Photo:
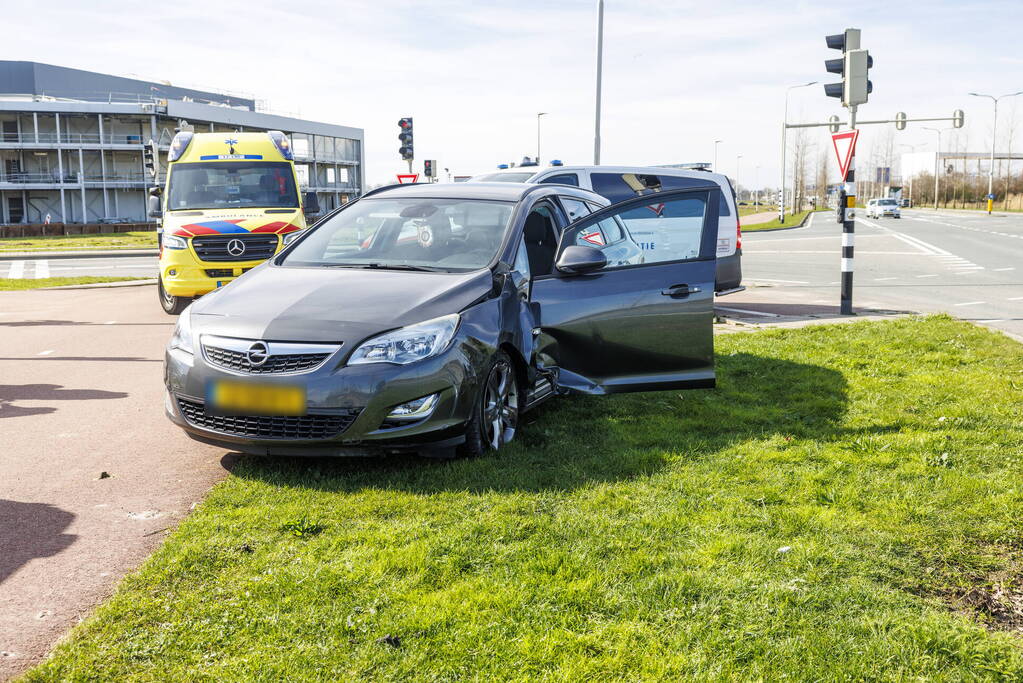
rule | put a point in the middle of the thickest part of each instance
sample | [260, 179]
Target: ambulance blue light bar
[557, 162]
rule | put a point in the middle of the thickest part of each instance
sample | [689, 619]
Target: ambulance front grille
[256, 247]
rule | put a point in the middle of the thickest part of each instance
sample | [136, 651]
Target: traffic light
[430, 168]
[852, 67]
[405, 136]
[149, 158]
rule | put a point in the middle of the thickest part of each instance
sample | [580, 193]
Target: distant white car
[879, 208]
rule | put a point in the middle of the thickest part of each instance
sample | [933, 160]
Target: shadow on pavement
[755, 311]
[583, 440]
[9, 393]
[29, 531]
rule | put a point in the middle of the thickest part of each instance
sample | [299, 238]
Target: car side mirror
[154, 205]
[311, 204]
[576, 260]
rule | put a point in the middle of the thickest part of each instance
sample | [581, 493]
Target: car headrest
[536, 228]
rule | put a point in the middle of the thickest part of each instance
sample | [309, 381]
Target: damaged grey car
[428, 318]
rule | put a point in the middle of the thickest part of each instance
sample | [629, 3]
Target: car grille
[220, 272]
[258, 247]
[235, 360]
[323, 426]
[282, 358]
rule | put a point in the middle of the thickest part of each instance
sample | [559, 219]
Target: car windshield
[886, 202]
[451, 235]
[231, 184]
[504, 177]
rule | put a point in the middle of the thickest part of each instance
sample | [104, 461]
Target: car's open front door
[640, 323]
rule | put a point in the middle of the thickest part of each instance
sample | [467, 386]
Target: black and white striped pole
[849, 226]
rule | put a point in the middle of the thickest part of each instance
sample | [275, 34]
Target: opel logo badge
[257, 354]
[236, 247]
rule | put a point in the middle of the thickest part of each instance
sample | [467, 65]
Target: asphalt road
[81, 393]
[967, 264]
[121, 266]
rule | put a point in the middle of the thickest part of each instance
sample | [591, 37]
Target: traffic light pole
[849, 227]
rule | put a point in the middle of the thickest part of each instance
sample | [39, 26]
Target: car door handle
[680, 291]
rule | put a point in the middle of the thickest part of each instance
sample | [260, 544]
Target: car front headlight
[174, 242]
[408, 344]
[291, 237]
[181, 340]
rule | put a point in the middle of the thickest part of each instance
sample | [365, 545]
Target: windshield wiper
[385, 266]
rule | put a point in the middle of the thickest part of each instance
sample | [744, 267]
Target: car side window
[621, 186]
[665, 231]
[574, 208]
[522, 259]
[562, 179]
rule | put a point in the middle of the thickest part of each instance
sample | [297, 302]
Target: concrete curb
[102, 285]
[84, 253]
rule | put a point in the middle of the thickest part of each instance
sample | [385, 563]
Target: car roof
[503, 192]
[719, 178]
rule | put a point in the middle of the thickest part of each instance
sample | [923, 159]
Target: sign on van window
[668, 231]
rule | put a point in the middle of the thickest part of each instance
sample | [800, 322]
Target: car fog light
[172, 272]
[414, 410]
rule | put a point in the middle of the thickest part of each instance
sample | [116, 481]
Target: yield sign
[407, 178]
[845, 148]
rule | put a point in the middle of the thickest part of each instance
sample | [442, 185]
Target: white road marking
[110, 322]
[970, 303]
[1015, 298]
[931, 275]
[17, 270]
[743, 310]
[993, 320]
[42, 269]
[45, 353]
[884, 279]
[1002, 270]
[792, 282]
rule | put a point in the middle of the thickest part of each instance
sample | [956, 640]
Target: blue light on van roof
[502, 166]
[557, 162]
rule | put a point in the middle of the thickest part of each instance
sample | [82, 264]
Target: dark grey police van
[427, 318]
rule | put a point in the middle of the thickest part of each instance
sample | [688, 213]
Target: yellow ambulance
[231, 202]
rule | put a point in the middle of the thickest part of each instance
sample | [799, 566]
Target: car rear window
[614, 187]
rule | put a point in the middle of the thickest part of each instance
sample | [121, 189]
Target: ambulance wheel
[172, 305]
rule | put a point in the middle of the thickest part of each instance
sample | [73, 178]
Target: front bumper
[183, 274]
[356, 399]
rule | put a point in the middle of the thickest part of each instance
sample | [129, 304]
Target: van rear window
[614, 187]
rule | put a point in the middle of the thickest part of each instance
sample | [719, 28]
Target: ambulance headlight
[178, 145]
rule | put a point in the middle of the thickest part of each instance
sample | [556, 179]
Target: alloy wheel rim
[500, 406]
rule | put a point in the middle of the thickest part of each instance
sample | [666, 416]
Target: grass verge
[814, 517]
[118, 240]
[791, 220]
[9, 285]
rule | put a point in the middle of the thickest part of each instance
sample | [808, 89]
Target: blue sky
[677, 75]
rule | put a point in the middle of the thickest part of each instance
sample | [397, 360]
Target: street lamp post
[912, 149]
[716, 143]
[756, 187]
[600, 54]
[784, 148]
[994, 137]
[538, 115]
[737, 191]
[937, 153]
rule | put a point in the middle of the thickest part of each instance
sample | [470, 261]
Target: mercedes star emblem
[236, 247]
[257, 354]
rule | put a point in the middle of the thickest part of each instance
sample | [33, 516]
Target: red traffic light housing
[405, 137]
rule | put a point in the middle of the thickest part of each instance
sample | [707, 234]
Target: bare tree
[800, 149]
[823, 161]
[1010, 129]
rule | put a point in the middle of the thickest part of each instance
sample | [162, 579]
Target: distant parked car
[906, 203]
[879, 208]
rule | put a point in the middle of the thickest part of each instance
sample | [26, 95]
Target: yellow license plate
[247, 398]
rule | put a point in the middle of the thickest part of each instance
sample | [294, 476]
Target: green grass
[119, 240]
[8, 285]
[806, 520]
[791, 220]
[750, 209]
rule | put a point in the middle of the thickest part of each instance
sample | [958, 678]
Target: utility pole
[600, 54]
[994, 137]
[784, 147]
[538, 115]
[937, 155]
[737, 190]
[849, 227]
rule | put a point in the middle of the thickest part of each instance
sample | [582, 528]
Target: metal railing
[73, 178]
[71, 139]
